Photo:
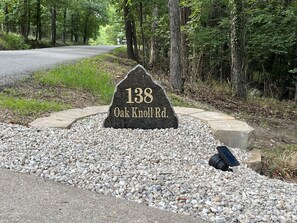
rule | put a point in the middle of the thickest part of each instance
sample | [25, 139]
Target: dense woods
[250, 45]
[64, 20]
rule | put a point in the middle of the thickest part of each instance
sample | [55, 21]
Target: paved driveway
[19, 63]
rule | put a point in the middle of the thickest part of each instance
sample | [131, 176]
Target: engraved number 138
[140, 95]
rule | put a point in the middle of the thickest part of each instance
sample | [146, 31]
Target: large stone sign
[139, 102]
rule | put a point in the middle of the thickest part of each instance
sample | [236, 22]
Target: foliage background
[271, 39]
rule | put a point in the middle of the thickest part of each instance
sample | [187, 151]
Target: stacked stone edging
[225, 128]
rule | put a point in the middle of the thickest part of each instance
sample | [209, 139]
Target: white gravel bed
[167, 169]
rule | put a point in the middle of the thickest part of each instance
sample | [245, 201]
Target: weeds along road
[17, 64]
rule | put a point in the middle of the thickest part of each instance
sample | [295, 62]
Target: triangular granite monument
[139, 102]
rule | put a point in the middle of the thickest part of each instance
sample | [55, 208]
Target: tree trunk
[86, 29]
[154, 44]
[25, 19]
[142, 34]
[175, 46]
[76, 25]
[29, 20]
[72, 28]
[287, 3]
[53, 24]
[64, 25]
[38, 21]
[295, 98]
[128, 30]
[185, 13]
[134, 40]
[238, 64]
[6, 21]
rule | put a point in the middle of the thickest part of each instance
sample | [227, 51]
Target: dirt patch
[74, 98]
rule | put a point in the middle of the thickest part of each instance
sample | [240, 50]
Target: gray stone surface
[140, 103]
[65, 119]
[27, 198]
[232, 133]
[50, 122]
[187, 111]
[212, 116]
[254, 160]
[155, 167]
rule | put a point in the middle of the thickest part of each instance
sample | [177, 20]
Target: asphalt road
[17, 64]
[28, 198]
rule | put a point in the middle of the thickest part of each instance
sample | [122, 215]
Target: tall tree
[185, 13]
[86, 23]
[64, 25]
[142, 34]
[128, 29]
[175, 46]
[76, 19]
[25, 20]
[238, 54]
[154, 43]
[91, 11]
[134, 37]
[38, 21]
[54, 24]
[6, 15]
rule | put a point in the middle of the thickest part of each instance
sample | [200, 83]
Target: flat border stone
[254, 160]
[212, 116]
[187, 111]
[225, 128]
[70, 114]
[65, 119]
[233, 133]
[49, 122]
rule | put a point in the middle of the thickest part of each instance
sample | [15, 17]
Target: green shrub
[12, 41]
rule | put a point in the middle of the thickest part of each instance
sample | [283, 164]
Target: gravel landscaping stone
[167, 169]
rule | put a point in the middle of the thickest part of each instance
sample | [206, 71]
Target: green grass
[82, 75]
[183, 101]
[26, 106]
[120, 51]
[178, 101]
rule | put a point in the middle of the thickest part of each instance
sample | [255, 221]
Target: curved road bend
[17, 64]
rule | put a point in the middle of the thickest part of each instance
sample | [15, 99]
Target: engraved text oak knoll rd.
[139, 102]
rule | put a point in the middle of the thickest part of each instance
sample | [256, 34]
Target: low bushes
[12, 41]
